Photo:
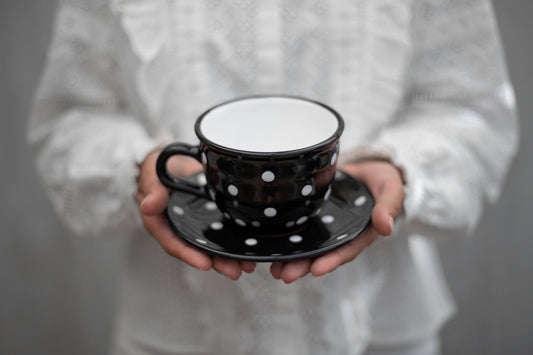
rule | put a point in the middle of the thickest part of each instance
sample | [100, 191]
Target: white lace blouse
[422, 82]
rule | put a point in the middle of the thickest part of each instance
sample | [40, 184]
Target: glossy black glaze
[297, 190]
[172, 181]
[340, 220]
[277, 190]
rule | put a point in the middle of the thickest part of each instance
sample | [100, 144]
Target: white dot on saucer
[233, 190]
[295, 238]
[216, 226]
[342, 236]
[250, 242]
[204, 158]
[268, 176]
[306, 190]
[201, 241]
[201, 179]
[256, 224]
[212, 194]
[270, 212]
[240, 222]
[302, 220]
[333, 158]
[210, 206]
[328, 219]
[328, 194]
[360, 201]
[178, 210]
[226, 214]
[290, 224]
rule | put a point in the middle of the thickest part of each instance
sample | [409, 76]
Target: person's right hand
[152, 197]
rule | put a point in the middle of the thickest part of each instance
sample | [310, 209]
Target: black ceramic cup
[269, 161]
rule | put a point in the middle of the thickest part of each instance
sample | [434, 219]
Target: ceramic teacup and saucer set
[270, 189]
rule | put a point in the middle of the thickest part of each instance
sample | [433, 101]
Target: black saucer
[341, 219]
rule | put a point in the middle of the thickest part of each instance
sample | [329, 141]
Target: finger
[275, 270]
[155, 201]
[227, 267]
[388, 205]
[157, 226]
[153, 194]
[139, 197]
[332, 260]
[386, 185]
[248, 266]
[183, 166]
[294, 270]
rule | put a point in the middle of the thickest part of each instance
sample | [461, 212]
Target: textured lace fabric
[420, 82]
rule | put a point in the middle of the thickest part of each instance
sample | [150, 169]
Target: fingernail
[144, 201]
[391, 221]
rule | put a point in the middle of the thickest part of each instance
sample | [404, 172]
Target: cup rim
[278, 154]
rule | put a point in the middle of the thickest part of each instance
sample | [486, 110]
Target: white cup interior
[269, 124]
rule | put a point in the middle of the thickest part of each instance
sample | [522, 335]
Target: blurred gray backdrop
[57, 292]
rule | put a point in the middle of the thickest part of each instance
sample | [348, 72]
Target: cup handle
[175, 182]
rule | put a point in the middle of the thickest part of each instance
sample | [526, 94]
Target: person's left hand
[385, 183]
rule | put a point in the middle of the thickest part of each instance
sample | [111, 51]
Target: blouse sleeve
[457, 132]
[84, 138]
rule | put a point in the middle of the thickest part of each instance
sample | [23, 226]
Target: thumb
[154, 193]
[388, 205]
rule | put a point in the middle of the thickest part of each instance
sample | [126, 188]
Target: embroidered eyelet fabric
[420, 82]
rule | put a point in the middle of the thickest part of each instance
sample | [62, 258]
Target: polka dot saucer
[341, 219]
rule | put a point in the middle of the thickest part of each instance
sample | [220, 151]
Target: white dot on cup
[250, 242]
[178, 210]
[204, 158]
[233, 190]
[360, 201]
[290, 224]
[240, 222]
[306, 190]
[328, 194]
[328, 219]
[295, 238]
[256, 224]
[270, 212]
[333, 158]
[216, 226]
[268, 176]
[302, 220]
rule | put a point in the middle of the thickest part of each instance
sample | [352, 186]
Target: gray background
[56, 292]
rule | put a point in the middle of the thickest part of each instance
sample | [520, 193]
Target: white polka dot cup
[269, 161]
